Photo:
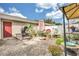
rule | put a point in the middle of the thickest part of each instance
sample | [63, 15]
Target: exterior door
[7, 29]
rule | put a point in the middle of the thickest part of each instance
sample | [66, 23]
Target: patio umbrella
[71, 12]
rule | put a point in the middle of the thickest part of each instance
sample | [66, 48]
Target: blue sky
[33, 11]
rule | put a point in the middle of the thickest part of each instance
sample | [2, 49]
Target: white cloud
[54, 6]
[63, 4]
[13, 9]
[48, 5]
[44, 5]
[39, 10]
[17, 14]
[2, 10]
[55, 14]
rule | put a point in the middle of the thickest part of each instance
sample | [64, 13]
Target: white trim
[0, 28]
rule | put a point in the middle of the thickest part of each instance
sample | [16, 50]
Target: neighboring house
[12, 25]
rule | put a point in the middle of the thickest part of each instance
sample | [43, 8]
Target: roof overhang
[15, 18]
[19, 19]
[71, 11]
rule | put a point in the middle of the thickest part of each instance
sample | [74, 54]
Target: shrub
[59, 41]
[48, 34]
[32, 33]
[55, 50]
[44, 34]
[73, 36]
[76, 36]
[41, 33]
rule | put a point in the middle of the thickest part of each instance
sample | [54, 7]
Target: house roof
[16, 18]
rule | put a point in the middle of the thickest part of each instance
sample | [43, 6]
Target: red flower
[48, 30]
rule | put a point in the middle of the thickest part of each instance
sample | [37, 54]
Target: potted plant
[74, 38]
[48, 34]
[59, 41]
[73, 28]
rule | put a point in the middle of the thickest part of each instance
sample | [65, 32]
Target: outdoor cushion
[70, 44]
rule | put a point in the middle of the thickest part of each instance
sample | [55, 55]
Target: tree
[49, 21]
[58, 24]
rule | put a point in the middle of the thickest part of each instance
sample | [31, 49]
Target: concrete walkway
[33, 47]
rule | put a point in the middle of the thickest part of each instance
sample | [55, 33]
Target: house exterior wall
[0, 29]
[17, 27]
